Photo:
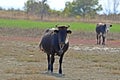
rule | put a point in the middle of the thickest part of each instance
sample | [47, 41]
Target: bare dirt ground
[21, 59]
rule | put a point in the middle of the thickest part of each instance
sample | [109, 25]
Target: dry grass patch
[33, 77]
[31, 57]
[25, 70]
[115, 72]
[94, 57]
[108, 61]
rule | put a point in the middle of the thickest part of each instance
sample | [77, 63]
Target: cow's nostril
[61, 44]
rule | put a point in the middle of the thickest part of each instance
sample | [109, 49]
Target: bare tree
[116, 4]
[112, 6]
[43, 8]
[107, 7]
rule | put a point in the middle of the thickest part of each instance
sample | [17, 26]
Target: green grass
[115, 28]
[37, 24]
[82, 26]
[23, 23]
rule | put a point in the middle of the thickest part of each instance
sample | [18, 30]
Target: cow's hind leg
[99, 39]
[49, 63]
[52, 62]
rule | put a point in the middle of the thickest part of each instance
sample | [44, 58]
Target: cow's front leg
[103, 37]
[60, 64]
[103, 42]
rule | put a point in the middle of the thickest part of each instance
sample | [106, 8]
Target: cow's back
[100, 28]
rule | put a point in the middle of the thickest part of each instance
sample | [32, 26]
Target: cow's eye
[56, 31]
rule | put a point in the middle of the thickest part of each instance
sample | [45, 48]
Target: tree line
[76, 8]
[72, 9]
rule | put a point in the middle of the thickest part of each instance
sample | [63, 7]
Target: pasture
[21, 59]
[79, 26]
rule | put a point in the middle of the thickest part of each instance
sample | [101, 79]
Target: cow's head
[108, 27]
[62, 31]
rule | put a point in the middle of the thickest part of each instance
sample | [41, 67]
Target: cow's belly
[46, 44]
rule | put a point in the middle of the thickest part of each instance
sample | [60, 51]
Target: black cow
[55, 42]
[101, 31]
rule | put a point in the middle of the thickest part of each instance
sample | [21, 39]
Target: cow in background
[101, 31]
[55, 42]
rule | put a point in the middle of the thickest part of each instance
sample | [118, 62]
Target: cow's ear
[69, 31]
[56, 31]
[104, 24]
[110, 25]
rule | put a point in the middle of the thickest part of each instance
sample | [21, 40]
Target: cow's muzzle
[61, 45]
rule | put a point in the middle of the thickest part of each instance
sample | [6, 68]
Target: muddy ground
[21, 59]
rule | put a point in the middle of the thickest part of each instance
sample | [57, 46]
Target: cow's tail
[40, 46]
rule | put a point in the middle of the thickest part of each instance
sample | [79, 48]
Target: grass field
[21, 58]
[37, 24]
